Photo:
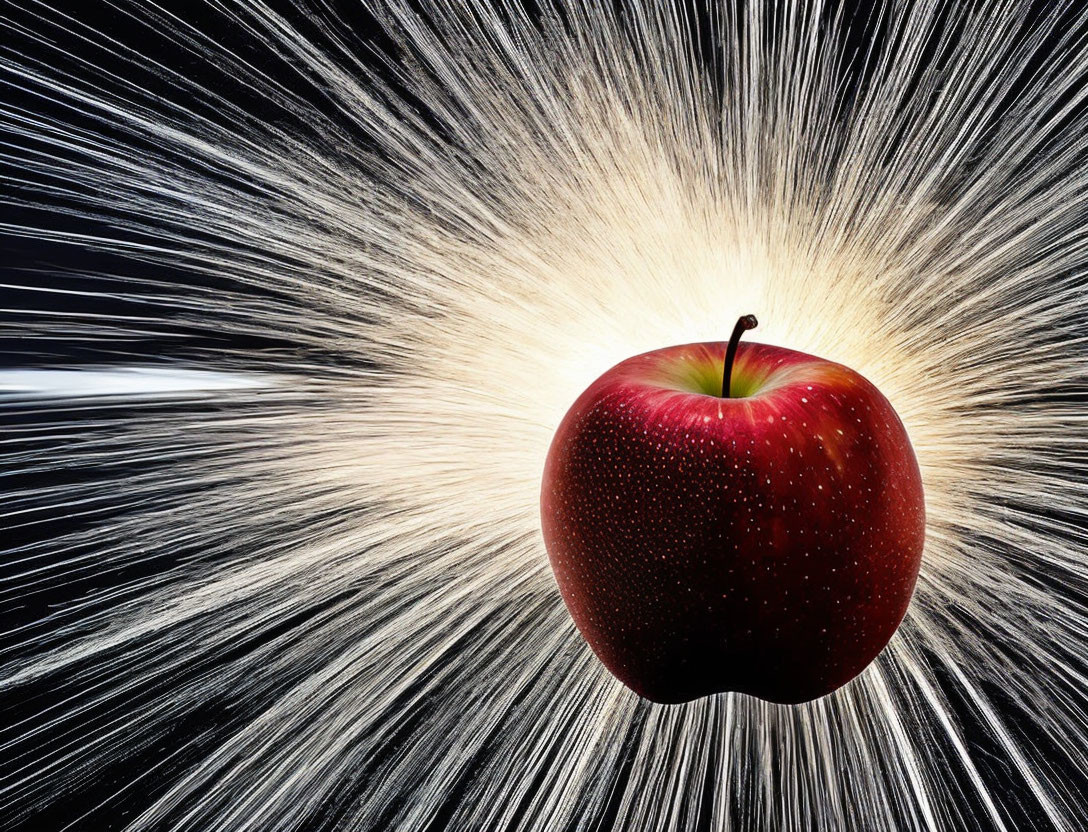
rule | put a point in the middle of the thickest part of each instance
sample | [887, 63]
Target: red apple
[767, 542]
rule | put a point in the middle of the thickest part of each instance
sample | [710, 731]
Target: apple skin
[767, 543]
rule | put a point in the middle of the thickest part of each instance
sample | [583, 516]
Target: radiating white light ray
[294, 580]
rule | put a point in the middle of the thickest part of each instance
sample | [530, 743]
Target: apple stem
[745, 322]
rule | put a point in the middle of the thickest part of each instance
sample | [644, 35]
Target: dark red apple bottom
[767, 545]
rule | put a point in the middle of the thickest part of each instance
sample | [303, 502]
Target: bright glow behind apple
[585, 193]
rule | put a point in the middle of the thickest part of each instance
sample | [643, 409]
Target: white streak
[127, 382]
